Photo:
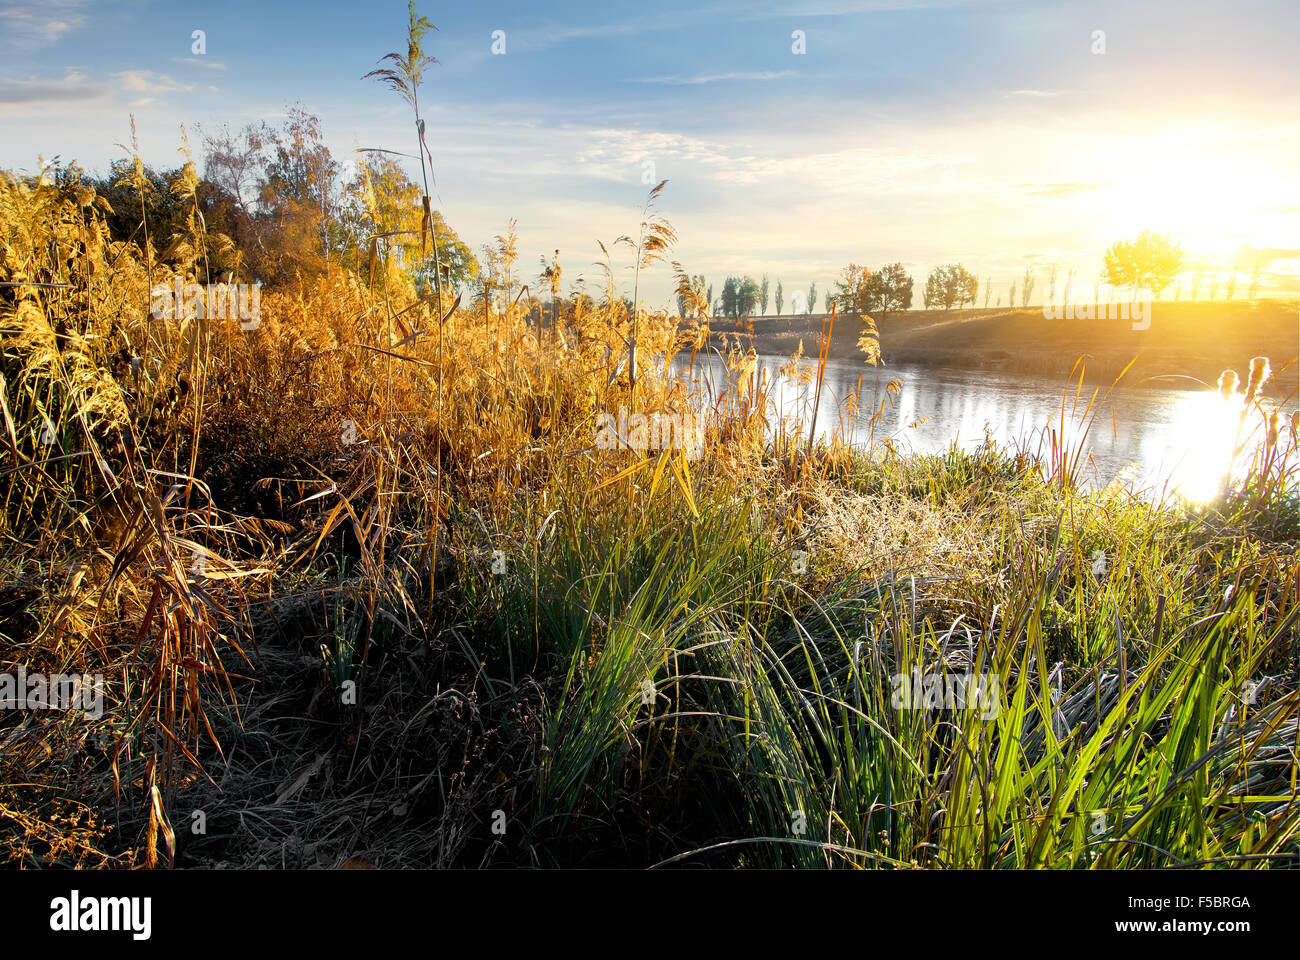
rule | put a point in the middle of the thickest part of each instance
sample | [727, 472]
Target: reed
[336, 543]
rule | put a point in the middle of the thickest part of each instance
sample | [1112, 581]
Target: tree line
[744, 296]
[278, 208]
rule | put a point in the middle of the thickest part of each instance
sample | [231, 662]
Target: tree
[234, 161]
[949, 286]
[889, 290]
[150, 197]
[762, 294]
[934, 288]
[747, 296]
[1149, 262]
[865, 293]
[301, 181]
[780, 298]
[739, 297]
[727, 300]
[381, 198]
[851, 290]
[812, 297]
[988, 291]
[1026, 288]
[283, 198]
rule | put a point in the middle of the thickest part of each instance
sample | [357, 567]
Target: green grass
[771, 691]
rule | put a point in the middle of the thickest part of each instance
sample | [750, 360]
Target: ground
[1185, 340]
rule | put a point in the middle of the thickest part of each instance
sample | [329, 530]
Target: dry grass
[278, 547]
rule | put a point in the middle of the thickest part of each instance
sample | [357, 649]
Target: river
[1154, 441]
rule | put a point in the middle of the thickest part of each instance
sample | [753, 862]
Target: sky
[796, 137]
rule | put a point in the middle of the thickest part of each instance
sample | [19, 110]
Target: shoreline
[1186, 346]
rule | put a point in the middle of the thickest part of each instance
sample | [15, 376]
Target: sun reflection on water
[1157, 443]
[1197, 447]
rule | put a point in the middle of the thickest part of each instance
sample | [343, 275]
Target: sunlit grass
[377, 534]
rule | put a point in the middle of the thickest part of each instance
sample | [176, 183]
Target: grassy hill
[1185, 339]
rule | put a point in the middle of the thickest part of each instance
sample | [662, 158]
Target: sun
[1206, 193]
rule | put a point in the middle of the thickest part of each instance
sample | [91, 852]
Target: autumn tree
[968, 286]
[889, 290]
[299, 193]
[1148, 263]
[867, 293]
[950, 286]
[382, 200]
[935, 289]
[281, 192]
[852, 290]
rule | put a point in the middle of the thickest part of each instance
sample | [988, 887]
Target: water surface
[1154, 440]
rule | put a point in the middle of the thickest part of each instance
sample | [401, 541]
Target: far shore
[1187, 344]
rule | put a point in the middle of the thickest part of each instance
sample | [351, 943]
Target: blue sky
[985, 132]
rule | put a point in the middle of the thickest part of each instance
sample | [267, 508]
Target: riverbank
[1186, 342]
[348, 600]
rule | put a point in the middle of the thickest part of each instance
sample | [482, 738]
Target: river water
[1155, 441]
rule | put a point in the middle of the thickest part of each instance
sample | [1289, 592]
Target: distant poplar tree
[747, 296]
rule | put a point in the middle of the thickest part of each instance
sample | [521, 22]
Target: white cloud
[33, 24]
[716, 77]
[147, 81]
[202, 63]
[73, 87]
